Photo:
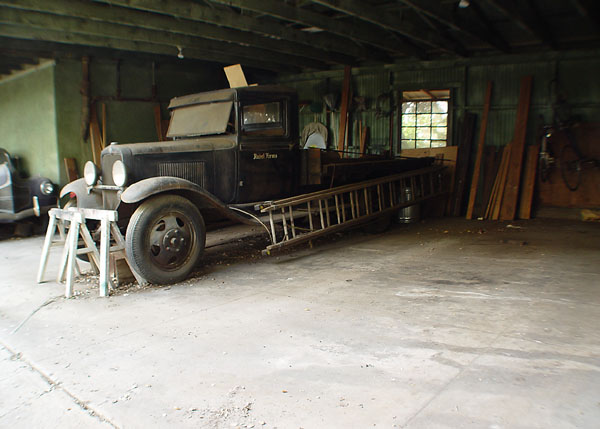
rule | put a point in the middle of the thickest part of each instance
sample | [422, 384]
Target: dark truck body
[227, 148]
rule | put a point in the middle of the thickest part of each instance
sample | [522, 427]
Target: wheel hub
[174, 241]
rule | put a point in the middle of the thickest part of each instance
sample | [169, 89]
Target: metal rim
[172, 240]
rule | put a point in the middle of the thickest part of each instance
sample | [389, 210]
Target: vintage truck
[227, 150]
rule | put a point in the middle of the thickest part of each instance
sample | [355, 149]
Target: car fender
[89, 200]
[146, 188]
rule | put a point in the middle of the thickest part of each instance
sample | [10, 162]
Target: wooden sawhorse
[100, 260]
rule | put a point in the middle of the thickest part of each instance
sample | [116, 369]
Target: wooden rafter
[227, 18]
[37, 20]
[61, 36]
[522, 13]
[151, 21]
[590, 10]
[361, 33]
[392, 22]
[434, 10]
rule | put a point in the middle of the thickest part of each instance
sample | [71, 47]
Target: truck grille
[191, 170]
[107, 163]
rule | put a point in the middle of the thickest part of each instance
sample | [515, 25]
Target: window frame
[449, 134]
[265, 130]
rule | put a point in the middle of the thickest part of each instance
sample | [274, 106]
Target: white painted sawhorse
[100, 261]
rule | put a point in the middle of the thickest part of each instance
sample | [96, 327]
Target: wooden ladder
[342, 207]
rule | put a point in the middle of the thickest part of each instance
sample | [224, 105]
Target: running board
[342, 207]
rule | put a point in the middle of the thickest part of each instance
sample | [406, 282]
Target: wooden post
[528, 181]
[515, 165]
[480, 146]
[344, 108]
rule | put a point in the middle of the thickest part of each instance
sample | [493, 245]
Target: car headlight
[90, 173]
[119, 173]
[46, 187]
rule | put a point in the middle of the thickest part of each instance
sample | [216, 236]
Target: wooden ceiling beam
[394, 23]
[436, 11]
[152, 21]
[65, 37]
[523, 14]
[227, 18]
[362, 34]
[590, 10]
[39, 20]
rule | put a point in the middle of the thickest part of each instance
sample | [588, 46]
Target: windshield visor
[200, 119]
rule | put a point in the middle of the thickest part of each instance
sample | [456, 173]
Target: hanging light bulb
[180, 53]
[464, 3]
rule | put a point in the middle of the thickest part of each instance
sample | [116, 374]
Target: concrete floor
[445, 323]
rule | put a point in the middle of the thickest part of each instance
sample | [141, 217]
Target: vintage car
[22, 198]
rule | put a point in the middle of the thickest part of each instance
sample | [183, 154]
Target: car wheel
[165, 239]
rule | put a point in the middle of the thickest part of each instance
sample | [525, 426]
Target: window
[262, 116]
[425, 119]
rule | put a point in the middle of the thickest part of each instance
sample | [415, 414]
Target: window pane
[440, 120]
[409, 120]
[423, 133]
[424, 107]
[408, 132]
[421, 144]
[423, 120]
[440, 107]
[409, 107]
[269, 113]
[439, 133]
[408, 144]
[438, 143]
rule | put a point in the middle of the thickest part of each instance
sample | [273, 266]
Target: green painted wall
[41, 110]
[28, 120]
[68, 116]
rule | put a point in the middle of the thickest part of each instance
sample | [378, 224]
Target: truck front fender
[145, 188]
[89, 200]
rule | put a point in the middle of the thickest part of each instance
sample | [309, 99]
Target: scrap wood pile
[505, 179]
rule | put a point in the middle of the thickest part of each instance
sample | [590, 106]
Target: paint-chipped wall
[28, 120]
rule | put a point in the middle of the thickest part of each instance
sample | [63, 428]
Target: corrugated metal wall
[577, 72]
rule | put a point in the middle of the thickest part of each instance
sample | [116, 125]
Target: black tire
[570, 167]
[165, 239]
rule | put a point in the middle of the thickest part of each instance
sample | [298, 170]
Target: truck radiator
[188, 170]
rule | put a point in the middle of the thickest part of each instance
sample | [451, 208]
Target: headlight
[46, 187]
[119, 173]
[90, 173]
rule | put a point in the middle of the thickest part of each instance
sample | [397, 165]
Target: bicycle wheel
[570, 167]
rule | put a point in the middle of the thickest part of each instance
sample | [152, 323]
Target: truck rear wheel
[165, 239]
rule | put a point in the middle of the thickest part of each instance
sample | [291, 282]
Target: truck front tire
[165, 239]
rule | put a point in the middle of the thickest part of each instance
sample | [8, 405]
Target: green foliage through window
[424, 123]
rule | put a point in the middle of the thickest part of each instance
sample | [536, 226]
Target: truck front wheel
[165, 239]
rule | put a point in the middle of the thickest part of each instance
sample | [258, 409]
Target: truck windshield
[200, 119]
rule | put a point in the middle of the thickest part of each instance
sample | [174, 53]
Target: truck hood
[203, 144]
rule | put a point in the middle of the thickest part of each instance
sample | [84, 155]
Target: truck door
[269, 156]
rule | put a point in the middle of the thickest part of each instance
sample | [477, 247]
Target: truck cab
[231, 146]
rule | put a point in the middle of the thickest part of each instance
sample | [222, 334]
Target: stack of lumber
[507, 190]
